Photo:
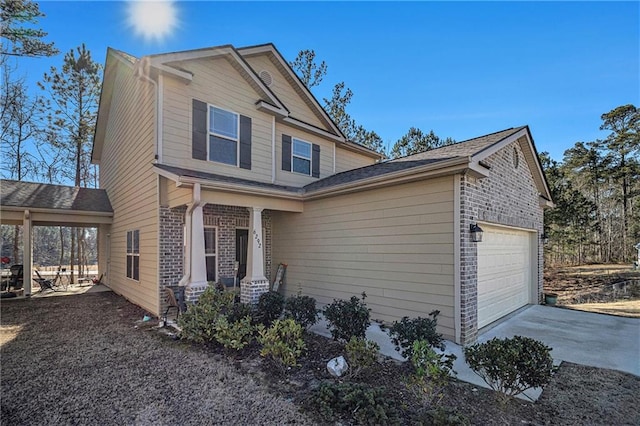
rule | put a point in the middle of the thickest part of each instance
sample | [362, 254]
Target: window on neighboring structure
[210, 252]
[223, 136]
[301, 157]
[133, 255]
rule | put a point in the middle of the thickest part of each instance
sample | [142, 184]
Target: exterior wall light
[545, 238]
[476, 233]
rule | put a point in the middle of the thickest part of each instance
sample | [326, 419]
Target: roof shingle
[46, 196]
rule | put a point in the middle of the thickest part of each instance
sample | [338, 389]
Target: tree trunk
[72, 255]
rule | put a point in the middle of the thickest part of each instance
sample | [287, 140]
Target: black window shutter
[199, 130]
[286, 153]
[245, 142]
[315, 161]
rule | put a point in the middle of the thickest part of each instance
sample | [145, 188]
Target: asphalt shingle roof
[46, 196]
[466, 148]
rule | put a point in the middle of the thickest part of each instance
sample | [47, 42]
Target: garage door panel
[504, 272]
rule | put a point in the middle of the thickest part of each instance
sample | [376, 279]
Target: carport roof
[32, 195]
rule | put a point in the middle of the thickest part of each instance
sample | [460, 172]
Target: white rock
[337, 366]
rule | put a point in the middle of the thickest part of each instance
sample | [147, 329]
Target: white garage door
[504, 272]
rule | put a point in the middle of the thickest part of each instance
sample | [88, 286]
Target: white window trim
[216, 253]
[132, 254]
[310, 159]
[212, 133]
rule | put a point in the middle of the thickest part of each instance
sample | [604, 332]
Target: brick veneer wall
[226, 219]
[507, 197]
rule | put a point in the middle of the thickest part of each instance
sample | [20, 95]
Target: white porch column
[196, 268]
[254, 283]
[27, 251]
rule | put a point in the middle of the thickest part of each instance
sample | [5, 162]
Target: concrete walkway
[596, 340]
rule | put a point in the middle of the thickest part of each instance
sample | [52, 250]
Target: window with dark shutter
[286, 153]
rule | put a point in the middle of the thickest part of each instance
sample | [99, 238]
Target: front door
[242, 241]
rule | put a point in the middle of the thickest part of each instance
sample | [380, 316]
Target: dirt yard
[609, 289]
[89, 359]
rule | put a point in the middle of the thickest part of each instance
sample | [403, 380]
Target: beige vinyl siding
[285, 92]
[394, 243]
[172, 196]
[126, 173]
[284, 177]
[349, 160]
[216, 82]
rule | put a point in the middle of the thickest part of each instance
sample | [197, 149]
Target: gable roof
[478, 149]
[33, 195]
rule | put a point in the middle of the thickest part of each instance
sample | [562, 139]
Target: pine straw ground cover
[90, 360]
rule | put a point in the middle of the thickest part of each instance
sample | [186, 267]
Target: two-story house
[220, 164]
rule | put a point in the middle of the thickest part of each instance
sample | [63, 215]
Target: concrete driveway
[585, 338]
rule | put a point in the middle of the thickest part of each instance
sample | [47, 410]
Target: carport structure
[38, 204]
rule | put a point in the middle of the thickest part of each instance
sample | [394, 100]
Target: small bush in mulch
[348, 318]
[282, 342]
[302, 309]
[407, 331]
[269, 307]
[511, 366]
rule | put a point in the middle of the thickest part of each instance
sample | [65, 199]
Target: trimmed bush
[355, 402]
[347, 318]
[269, 307]
[302, 309]
[198, 322]
[233, 335]
[282, 342]
[362, 354]
[511, 366]
[408, 331]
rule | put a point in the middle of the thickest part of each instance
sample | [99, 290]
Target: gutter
[142, 75]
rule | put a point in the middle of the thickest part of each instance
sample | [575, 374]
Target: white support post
[254, 283]
[27, 251]
[196, 276]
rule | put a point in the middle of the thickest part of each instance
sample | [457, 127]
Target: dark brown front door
[242, 240]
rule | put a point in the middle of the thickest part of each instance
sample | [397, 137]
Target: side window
[223, 136]
[301, 157]
[133, 255]
[211, 252]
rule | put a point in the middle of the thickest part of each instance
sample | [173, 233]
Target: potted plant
[550, 298]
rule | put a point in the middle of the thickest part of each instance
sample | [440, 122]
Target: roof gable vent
[266, 77]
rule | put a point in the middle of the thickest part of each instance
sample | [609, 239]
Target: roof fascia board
[267, 107]
[451, 166]
[239, 188]
[57, 211]
[490, 150]
[535, 168]
[313, 129]
[270, 48]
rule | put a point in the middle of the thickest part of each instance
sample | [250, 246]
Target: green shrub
[302, 309]
[198, 322]
[442, 416]
[432, 372]
[269, 307]
[347, 318]
[511, 366]
[233, 335]
[282, 342]
[355, 402]
[408, 331]
[362, 354]
[239, 311]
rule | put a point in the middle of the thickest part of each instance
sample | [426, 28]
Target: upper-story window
[301, 157]
[223, 136]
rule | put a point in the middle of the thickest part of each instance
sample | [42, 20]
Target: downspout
[188, 232]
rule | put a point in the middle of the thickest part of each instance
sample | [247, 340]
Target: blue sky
[463, 69]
